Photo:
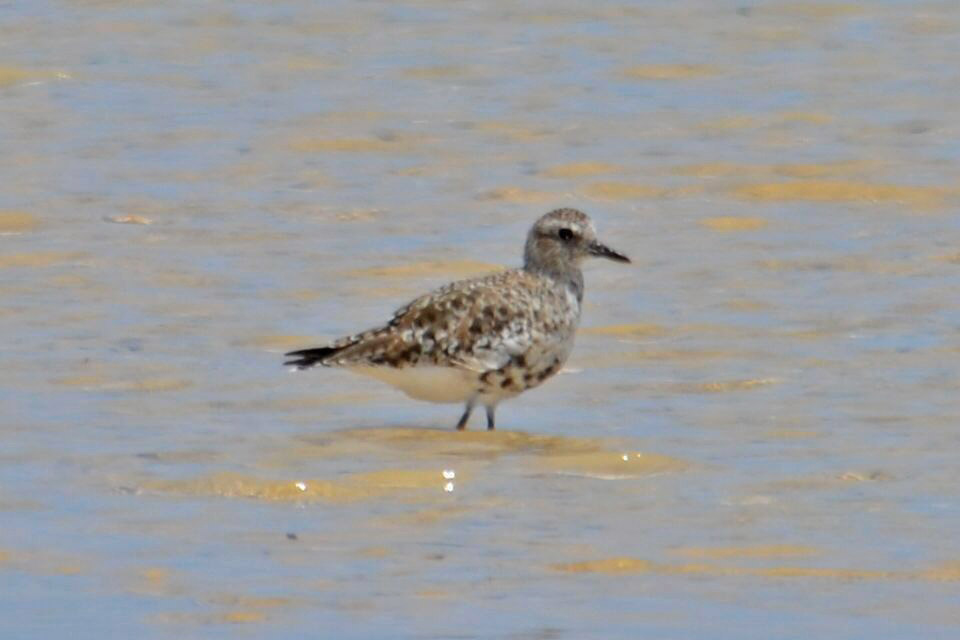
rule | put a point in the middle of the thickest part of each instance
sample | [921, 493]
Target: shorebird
[481, 340]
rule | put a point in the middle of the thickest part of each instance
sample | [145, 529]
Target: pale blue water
[805, 370]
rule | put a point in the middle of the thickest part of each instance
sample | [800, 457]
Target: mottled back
[479, 324]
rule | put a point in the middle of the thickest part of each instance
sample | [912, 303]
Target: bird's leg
[490, 422]
[466, 416]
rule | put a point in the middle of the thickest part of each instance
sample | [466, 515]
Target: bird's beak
[603, 251]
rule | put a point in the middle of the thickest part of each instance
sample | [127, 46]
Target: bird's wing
[478, 324]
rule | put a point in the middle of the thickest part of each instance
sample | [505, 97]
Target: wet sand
[755, 437]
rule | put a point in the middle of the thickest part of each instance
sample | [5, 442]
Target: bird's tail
[306, 358]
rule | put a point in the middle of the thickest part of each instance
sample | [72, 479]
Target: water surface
[755, 437]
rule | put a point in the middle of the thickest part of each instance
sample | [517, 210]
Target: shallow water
[755, 437]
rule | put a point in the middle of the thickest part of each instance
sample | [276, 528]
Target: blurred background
[755, 437]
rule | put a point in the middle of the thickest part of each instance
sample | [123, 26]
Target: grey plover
[482, 340]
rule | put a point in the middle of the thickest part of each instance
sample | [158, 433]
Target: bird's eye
[565, 234]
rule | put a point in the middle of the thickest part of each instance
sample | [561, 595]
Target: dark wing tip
[306, 358]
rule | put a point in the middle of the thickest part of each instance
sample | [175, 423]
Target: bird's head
[560, 240]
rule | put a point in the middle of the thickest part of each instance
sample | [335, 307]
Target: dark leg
[490, 422]
[466, 416]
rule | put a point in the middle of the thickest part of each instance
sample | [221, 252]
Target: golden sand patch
[359, 215]
[753, 551]
[68, 569]
[807, 171]
[610, 464]
[633, 330]
[622, 191]
[704, 330]
[17, 222]
[155, 575]
[392, 479]
[747, 305]
[578, 169]
[863, 476]
[734, 223]
[99, 382]
[10, 76]
[607, 565]
[129, 219]
[172, 278]
[627, 565]
[243, 617]
[725, 386]
[229, 617]
[948, 572]
[951, 258]
[669, 71]
[44, 562]
[438, 441]
[353, 487]
[516, 194]
[39, 259]
[463, 452]
[813, 334]
[466, 450]
[156, 581]
[239, 609]
[733, 170]
[306, 295]
[711, 169]
[360, 145]
[825, 191]
[418, 170]
[249, 602]
[452, 268]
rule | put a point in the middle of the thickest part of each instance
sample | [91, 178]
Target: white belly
[446, 385]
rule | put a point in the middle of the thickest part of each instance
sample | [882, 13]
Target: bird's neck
[569, 277]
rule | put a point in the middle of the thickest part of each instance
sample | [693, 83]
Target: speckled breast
[525, 371]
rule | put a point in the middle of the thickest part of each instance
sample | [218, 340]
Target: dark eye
[565, 234]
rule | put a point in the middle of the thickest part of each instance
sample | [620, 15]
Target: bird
[482, 340]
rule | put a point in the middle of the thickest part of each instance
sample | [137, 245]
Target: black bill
[603, 251]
